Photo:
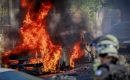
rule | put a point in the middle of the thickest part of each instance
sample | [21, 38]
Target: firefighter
[122, 60]
[109, 69]
[109, 37]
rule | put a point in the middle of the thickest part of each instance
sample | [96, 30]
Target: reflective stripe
[98, 73]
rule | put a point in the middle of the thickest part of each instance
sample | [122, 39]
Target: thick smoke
[64, 24]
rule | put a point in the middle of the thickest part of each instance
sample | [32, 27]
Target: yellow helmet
[111, 38]
[107, 47]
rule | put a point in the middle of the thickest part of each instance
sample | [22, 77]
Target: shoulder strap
[104, 66]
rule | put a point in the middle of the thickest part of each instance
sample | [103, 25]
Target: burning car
[43, 55]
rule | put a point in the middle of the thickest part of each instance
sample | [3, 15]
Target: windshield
[15, 75]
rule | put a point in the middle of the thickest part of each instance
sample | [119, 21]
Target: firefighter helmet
[111, 38]
[107, 47]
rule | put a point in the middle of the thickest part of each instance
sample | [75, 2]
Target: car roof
[5, 70]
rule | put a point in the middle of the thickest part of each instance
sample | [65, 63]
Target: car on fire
[11, 74]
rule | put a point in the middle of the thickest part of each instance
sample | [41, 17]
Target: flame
[77, 53]
[26, 4]
[36, 39]
[23, 3]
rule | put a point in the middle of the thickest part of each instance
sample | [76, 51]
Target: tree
[88, 7]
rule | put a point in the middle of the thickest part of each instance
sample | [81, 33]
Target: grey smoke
[65, 25]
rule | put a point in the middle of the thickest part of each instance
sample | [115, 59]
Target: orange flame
[23, 3]
[77, 53]
[36, 39]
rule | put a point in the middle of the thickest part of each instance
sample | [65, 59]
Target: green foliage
[89, 7]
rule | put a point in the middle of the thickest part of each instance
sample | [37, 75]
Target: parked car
[11, 74]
